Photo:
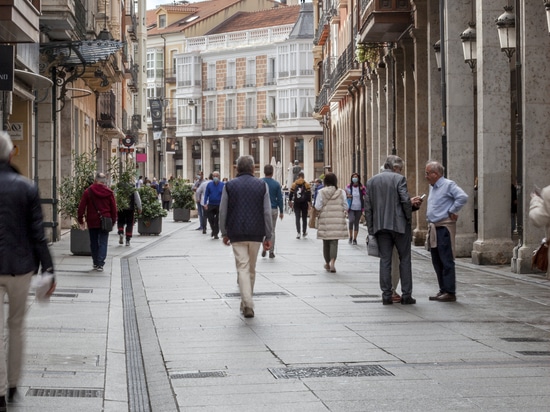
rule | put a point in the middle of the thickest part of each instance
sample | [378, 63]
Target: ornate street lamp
[506, 25]
[197, 146]
[253, 144]
[234, 145]
[214, 145]
[468, 38]
[437, 51]
[547, 6]
[177, 145]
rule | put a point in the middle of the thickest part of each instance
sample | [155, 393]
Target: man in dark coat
[23, 247]
[245, 222]
[98, 200]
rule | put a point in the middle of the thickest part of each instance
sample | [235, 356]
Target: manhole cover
[534, 352]
[66, 392]
[329, 371]
[237, 294]
[524, 340]
[194, 375]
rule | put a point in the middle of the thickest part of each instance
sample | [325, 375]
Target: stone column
[373, 141]
[494, 244]
[460, 120]
[45, 162]
[225, 157]
[383, 149]
[206, 156]
[187, 158]
[535, 56]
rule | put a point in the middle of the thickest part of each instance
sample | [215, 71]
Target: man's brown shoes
[443, 297]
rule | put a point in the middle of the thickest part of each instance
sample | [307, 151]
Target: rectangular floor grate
[366, 301]
[66, 392]
[329, 371]
[364, 296]
[524, 340]
[534, 352]
[238, 295]
[194, 375]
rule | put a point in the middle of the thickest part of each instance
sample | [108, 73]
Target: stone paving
[160, 330]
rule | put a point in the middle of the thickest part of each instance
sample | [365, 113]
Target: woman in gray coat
[331, 206]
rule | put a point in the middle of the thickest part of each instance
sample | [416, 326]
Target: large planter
[182, 215]
[150, 226]
[80, 242]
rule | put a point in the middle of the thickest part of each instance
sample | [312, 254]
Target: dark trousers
[202, 216]
[387, 239]
[300, 210]
[213, 213]
[443, 262]
[125, 218]
[166, 204]
[98, 246]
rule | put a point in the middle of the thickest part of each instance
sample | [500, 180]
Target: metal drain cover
[66, 392]
[534, 352]
[329, 372]
[194, 375]
[237, 294]
[524, 340]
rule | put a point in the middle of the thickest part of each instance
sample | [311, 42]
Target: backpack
[300, 193]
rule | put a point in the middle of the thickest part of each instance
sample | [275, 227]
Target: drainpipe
[443, 85]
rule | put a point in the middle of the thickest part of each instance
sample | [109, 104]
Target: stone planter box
[150, 227]
[80, 242]
[182, 215]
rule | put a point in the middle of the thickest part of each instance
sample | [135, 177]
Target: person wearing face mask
[356, 192]
[196, 185]
[211, 202]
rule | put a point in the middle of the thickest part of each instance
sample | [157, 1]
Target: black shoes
[409, 300]
[12, 392]
[247, 312]
[387, 301]
[271, 255]
[264, 252]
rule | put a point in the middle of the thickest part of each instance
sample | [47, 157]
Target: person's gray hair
[101, 178]
[6, 146]
[393, 162]
[245, 164]
[435, 166]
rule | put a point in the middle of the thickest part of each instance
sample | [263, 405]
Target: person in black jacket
[23, 248]
[245, 223]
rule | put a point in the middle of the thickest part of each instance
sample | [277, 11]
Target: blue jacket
[275, 193]
[213, 193]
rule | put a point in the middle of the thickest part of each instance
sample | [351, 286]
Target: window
[230, 120]
[250, 73]
[155, 64]
[305, 60]
[283, 61]
[211, 76]
[162, 21]
[210, 118]
[230, 78]
[271, 68]
[293, 59]
[319, 150]
[250, 120]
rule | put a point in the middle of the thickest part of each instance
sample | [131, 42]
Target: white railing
[237, 39]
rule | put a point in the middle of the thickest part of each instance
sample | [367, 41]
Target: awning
[80, 52]
[35, 80]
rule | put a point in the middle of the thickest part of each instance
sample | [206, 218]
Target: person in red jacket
[97, 199]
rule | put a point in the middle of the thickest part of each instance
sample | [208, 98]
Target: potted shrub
[150, 219]
[70, 192]
[183, 200]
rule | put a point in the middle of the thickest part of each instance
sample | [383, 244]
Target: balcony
[19, 21]
[250, 80]
[210, 124]
[106, 110]
[323, 30]
[64, 20]
[230, 123]
[347, 70]
[170, 75]
[384, 20]
[251, 122]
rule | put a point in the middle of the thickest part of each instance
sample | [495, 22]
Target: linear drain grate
[66, 392]
[60, 295]
[329, 372]
[524, 340]
[304, 274]
[364, 296]
[194, 375]
[366, 301]
[534, 352]
[165, 257]
[237, 294]
[77, 290]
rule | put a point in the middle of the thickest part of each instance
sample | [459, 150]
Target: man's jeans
[246, 255]
[98, 246]
[202, 216]
[274, 216]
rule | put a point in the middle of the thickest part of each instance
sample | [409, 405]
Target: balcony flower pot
[181, 214]
[183, 199]
[150, 219]
[150, 226]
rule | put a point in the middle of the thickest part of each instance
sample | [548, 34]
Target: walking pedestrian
[245, 223]
[539, 213]
[211, 203]
[276, 199]
[166, 197]
[300, 201]
[23, 247]
[295, 170]
[444, 202]
[331, 206]
[198, 181]
[356, 205]
[125, 217]
[98, 200]
[388, 213]
[199, 197]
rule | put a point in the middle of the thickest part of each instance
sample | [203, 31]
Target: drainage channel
[149, 387]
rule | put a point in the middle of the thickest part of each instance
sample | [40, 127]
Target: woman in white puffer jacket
[539, 214]
[331, 205]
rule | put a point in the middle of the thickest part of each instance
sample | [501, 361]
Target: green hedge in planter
[183, 196]
[150, 204]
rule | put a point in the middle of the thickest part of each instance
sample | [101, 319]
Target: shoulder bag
[106, 222]
[540, 257]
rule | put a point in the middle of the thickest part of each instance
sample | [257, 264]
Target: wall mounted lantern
[253, 144]
[506, 25]
[469, 45]
[547, 6]
[437, 51]
[234, 145]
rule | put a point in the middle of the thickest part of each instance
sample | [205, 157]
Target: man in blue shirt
[276, 198]
[444, 202]
[211, 203]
